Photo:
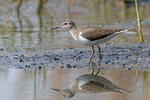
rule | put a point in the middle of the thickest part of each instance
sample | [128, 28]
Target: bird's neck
[73, 88]
[74, 33]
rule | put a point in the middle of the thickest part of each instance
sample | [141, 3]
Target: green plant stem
[139, 23]
[140, 33]
[136, 76]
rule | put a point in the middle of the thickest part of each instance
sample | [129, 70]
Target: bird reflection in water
[88, 83]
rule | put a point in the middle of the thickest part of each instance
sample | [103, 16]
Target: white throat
[73, 34]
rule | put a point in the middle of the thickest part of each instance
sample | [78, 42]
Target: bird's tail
[122, 90]
[127, 31]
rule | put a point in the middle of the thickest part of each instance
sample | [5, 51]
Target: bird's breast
[74, 35]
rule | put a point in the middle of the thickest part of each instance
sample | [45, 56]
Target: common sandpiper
[90, 36]
[88, 83]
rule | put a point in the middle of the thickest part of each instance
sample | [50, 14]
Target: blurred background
[27, 24]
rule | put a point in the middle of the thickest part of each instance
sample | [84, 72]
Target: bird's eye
[65, 23]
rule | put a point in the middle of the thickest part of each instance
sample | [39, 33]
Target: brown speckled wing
[95, 33]
[95, 87]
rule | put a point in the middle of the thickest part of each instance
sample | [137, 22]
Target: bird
[90, 84]
[90, 35]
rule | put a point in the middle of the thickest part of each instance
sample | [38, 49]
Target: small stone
[21, 60]
[40, 67]
[61, 66]
[1, 49]
[117, 57]
[106, 62]
[34, 64]
[129, 68]
[126, 56]
[81, 51]
[68, 66]
[75, 66]
[124, 65]
[26, 66]
[20, 67]
[56, 58]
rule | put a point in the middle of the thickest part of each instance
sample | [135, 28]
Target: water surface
[36, 85]
[27, 25]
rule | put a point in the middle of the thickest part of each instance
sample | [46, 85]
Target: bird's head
[66, 93]
[67, 25]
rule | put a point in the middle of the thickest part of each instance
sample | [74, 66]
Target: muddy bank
[129, 56]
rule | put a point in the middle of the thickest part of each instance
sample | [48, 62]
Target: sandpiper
[88, 83]
[90, 36]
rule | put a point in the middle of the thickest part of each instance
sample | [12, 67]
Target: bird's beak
[60, 91]
[53, 28]
[55, 89]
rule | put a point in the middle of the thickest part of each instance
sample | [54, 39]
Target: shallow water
[28, 25]
[36, 85]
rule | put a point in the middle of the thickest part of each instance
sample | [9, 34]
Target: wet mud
[128, 56]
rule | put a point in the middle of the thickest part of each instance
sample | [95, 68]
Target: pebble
[119, 56]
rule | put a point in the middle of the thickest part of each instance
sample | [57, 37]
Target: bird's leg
[91, 67]
[99, 50]
[93, 52]
[92, 71]
[97, 71]
[90, 59]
